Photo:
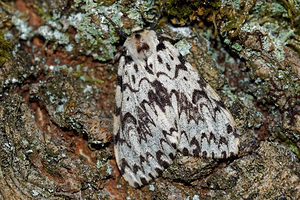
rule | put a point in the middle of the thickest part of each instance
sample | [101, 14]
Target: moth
[164, 106]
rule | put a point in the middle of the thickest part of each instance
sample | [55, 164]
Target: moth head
[141, 43]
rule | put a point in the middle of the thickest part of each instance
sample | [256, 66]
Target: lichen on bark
[57, 92]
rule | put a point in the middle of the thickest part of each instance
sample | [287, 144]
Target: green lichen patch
[291, 144]
[84, 75]
[182, 13]
[6, 10]
[5, 49]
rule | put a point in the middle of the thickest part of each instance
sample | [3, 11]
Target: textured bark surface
[57, 98]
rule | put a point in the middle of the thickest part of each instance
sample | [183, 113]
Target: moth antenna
[158, 17]
[119, 29]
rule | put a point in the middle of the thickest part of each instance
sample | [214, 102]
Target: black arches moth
[163, 106]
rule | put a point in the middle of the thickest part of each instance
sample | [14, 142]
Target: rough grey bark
[57, 100]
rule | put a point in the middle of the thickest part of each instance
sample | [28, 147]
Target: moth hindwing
[163, 106]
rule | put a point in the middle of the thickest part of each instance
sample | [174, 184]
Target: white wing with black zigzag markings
[164, 105]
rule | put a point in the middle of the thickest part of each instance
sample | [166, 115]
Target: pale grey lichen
[196, 197]
[234, 3]
[185, 32]
[94, 36]
[60, 107]
[88, 89]
[22, 26]
[151, 187]
[69, 47]
[99, 164]
[146, 6]
[277, 41]
[35, 193]
[237, 47]
[135, 13]
[108, 170]
[183, 47]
